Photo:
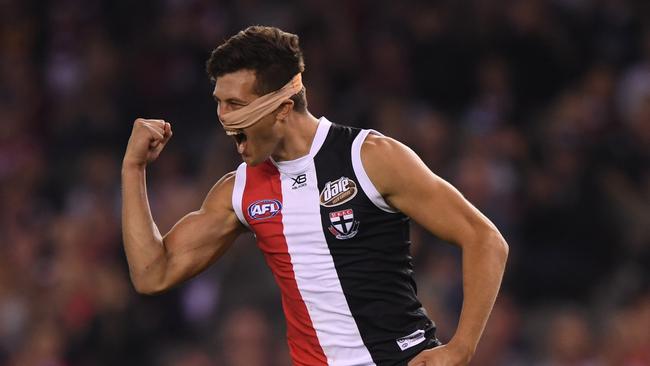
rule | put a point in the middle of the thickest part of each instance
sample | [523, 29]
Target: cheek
[265, 143]
[266, 137]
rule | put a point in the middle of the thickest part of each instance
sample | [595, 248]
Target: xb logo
[299, 181]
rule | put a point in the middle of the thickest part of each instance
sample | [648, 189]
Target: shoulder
[376, 144]
[220, 195]
[384, 151]
[387, 161]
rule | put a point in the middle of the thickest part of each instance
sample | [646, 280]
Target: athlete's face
[257, 142]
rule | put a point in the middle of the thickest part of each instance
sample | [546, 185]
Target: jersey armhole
[367, 185]
[238, 193]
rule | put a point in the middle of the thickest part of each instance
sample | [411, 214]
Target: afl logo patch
[264, 209]
[338, 192]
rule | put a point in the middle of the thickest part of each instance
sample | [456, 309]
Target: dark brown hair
[273, 54]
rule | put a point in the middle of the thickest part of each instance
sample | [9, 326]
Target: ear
[284, 109]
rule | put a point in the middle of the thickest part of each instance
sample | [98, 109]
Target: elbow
[147, 287]
[498, 245]
[487, 241]
[504, 250]
[145, 290]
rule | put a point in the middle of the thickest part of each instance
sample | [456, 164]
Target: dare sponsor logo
[264, 209]
[338, 192]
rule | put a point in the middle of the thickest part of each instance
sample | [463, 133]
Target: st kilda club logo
[338, 192]
[264, 209]
[344, 226]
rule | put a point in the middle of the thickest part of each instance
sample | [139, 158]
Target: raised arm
[408, 185]
[157, 262]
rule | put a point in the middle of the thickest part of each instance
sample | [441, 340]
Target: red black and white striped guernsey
[339, 253]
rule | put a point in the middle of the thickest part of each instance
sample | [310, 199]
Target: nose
[220, 110]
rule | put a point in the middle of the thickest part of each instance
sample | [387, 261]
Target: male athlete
[329, 206]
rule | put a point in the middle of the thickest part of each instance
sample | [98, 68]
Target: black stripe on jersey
[374, 265]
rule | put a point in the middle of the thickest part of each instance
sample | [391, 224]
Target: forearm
[483, 266]
[143, 242]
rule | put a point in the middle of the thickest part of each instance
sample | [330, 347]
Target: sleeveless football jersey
[339, 253]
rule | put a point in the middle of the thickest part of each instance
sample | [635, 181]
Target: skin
[391, 166]
[157, 262]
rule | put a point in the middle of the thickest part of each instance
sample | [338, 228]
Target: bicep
[202, 236]
[440, 208]
[408, 185]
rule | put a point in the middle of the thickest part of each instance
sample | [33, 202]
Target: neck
[299, 133]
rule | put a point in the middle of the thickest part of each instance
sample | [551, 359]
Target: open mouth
[239, 137]
[240, 141]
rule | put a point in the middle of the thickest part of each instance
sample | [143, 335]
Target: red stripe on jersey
[259, 202]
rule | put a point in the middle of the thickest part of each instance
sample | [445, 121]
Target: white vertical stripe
[316, 275]
[321, 133]
[238, 193]
[362, 176]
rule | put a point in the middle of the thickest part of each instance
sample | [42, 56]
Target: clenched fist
[148, 139]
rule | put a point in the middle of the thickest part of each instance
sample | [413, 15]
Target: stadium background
[538, 111]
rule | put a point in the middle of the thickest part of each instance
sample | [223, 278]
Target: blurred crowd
[537, 110]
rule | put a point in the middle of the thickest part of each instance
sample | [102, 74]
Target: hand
[148, 139]
[445, 355]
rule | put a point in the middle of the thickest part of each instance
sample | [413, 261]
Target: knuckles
[144, 122]
[139, 122]
[151, 128]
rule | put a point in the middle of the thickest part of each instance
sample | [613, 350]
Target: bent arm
[408, 185]
[157, 262]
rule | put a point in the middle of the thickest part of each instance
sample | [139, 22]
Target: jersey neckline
[301, 164]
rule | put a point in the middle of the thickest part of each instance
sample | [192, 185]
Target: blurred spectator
[246, 338]
[568, 340]
[537, 110]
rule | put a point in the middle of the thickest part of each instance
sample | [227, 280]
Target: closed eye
[232, 101]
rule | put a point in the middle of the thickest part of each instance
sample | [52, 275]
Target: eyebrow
[230, 100]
